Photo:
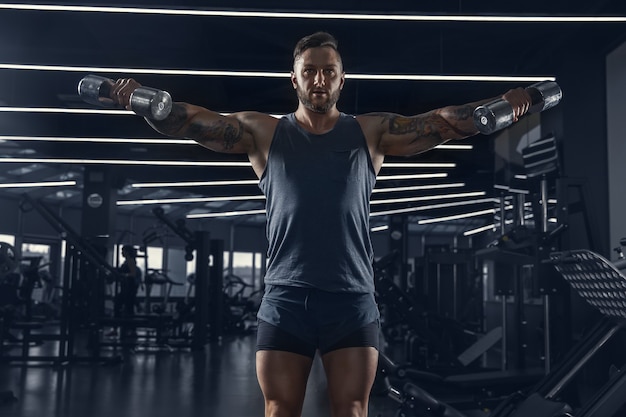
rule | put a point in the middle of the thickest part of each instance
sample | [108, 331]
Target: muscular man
[317, 167]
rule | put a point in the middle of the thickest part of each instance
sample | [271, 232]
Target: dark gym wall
[582, 77]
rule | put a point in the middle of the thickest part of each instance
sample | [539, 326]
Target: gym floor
[218, 382]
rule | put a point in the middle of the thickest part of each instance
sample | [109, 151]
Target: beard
[320, 107]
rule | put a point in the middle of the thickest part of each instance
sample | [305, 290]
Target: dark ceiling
[148, 41]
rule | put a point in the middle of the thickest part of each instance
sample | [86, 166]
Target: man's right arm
[210, 129]
[244, 132]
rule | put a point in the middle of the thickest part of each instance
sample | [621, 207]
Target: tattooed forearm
[452, 122]
[173, 123]
[421, 126]
[460, 121]
[398, 125]
[462, 113]
[411, 135]
[217, 131]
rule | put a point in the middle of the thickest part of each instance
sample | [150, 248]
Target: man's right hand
[520, 101]
[121, 91]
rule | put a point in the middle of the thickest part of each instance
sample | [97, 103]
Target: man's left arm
[393, 134]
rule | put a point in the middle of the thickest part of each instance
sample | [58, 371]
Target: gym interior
[497, 258]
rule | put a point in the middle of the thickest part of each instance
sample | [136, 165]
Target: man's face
[318, 78]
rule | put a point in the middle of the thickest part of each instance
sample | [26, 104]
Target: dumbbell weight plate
[151, 103]
[544, 95]
[493, 116]
[95, 90]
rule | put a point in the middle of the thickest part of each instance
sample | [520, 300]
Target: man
[317, 168]
[130, 279]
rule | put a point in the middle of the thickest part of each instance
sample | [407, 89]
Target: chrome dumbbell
[145, 101]
[498, 114]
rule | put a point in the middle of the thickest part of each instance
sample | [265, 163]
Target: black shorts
[270, 337]
[304, 320]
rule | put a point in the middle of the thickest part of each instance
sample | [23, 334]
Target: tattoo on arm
[432, 125]
[463, 113]
[422, 127]
[217, 131]
[458, 122]
[174, 122]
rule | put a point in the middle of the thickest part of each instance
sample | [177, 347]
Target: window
[10, 239]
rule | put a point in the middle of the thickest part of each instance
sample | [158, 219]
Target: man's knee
[349, 409]
[275, 408]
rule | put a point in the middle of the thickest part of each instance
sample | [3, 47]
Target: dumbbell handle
[145, 101]
[498, 114]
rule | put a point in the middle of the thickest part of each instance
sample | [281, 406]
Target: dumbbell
[498, 114]
[145, 101]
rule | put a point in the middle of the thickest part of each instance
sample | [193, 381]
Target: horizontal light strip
[431, 207]
[428, 198]
[225, 214]
[269, 74]
[310, 15]
[85, 111]
[379, 228]
[381, 213]
[62, 110]
[418, 187]
[376, 214]
[431, 77]
[262, 197]
[419, 165]
[410, 176]
[378, 178]
[213, 73]
[456, 217]
[126, 112]
[123, 162]
[37, 184]
[479, 230]
[164, 141]
[170, 141]
[189, 200]
[455, 147]
[254, 182]
[193, 183]
[510, 189]
[185, 163]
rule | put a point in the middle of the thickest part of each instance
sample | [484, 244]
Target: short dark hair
[316, 40]
[129, 250]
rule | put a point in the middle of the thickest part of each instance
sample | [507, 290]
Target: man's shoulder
[261, 125]
[256, 117]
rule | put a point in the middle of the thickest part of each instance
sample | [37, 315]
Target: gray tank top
[317, 189]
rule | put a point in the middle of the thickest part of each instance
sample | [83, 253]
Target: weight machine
[155, 278]
[589, 381]
[82, 304]
[208, 303]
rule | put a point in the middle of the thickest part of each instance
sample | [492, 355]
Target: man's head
[129, 251]
[317, 75]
